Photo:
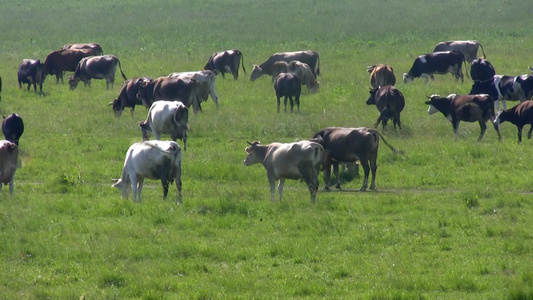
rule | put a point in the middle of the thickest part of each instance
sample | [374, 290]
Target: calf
[167, 117]
[128, 96]
[390, 103]
[226, 62]
[97, 67]
[153, 160]
[9, 154]
[13, 128]
[436, 63]
[520, 115]
[348, 145]
[288, 161]
[481, 69]
[206, 83]
[31, 71]
[288, 85]
[303, 71]
[468, 108]
[171, 89]
[503, 87]
[381, 75]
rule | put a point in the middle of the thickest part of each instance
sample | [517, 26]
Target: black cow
[468, 108]
[503, 87]
[58, 61]
[481, 69]
[128, 96]
[436, 63]
[390, 103]
[288, 85]
[13, 128]
[31, 71]
[520, 115]
[226, 62]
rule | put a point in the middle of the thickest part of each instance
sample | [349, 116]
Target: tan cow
[278, 68]
[303, 71]
[206, 83]
[9, 153]
[288, 161]
[381, 75]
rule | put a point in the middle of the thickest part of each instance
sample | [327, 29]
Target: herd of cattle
[170, 97]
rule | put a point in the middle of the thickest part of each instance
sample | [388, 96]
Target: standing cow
[173, 89]
[58, 61]
[520, 115]
[167, 117]
[226, 62]
[95, 47]
[288, 161]
[481, 70]
[31, 71]
[13, 128]
[381, 75]
[303, 71]
[503, 87]
[9, 154]
[436, 63]
[308, 57]
[128, 96]
[468, 48]
[289, 86]
[390, 103]
[348, 145]
[153, 160]
[97, 67]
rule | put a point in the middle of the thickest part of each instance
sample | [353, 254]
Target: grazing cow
[348, 145]
[520, 115]
[390, 103]
[481, 69]
[31, 71]
[308, 57]
[303, 71]
[468, 48]
[166, 117]
[278, 68]
[206, 83]
[97, 67]
[288, 85]
[9, 154]
[288, 161]
[436, 63]
[503, 87]
[171, 89]
[381, 75]
[226, 62]
[153, 160]
[128, 96]
[95, 47]
[64, 60]
[13, 128]
[468, 108]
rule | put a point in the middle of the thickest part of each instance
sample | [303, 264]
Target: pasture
[449, 220]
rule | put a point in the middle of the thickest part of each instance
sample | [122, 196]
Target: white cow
[303, 71]
[206, 83]
[9, 154]
[152, 160]
[166, 117]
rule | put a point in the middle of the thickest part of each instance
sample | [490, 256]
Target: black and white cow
[481, 69]
[31, 71]
[503, 87]
[436, 63]
[226, 62]
[97, 67]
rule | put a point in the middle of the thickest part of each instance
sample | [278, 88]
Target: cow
[468, 48]
[97, 67]
[308, 57]
[95, 47]
[381, 75]
[64, 60]
[226, 62]
[31, 71]
[436, 63]
[468, 108]
[348, 145]
[278, 68]
[481, 70]
[303, 71]
[128, 96]
[503, 87]
[166, 117]
[13, 128]
[9, 154]
[520, 115]
[296, 160]
[206, 83]
[390, 103]
[152, 160]
[171, 89]
[289, 86]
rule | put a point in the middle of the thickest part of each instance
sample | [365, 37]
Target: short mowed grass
[449, 220]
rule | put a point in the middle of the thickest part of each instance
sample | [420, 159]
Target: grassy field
[450, 220]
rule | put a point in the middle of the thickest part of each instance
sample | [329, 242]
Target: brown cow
[308, 57]
[349, 145]
[288, 85]
[171, 89]
[64, 60]
[128, 96]
[97, 49]
[381, 75]
[390, 103]
[9, 154]
[520, 115]
[97, 67]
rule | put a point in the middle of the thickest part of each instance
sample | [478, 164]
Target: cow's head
[315, 85]
[407, 78]
[257, 71]
[145, 129]
[253, 156]
[73, 82]
[372, 99]
[116, 107]
[433, 103]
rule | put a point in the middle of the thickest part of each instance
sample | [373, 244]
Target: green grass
[450, 220]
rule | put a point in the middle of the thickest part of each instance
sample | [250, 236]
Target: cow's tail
[242, 62]
[317, 71]
[394, 150]
[484, 55]
[120, 68]
[467, 72]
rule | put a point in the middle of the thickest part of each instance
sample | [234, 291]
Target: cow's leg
[455, 129]
[292, 103]
[497, 128]
[529, 133]
[366, 168]
[520, 133]
[280, 187]
[11, 185]
[336, 173]
[483, 129]
[272, 183]
[278, 97]
[373, 169]
[310, 176]
[327, 170]
[140, 184]
[133, 183]
[214, 97]
[285, 103]
[178, 183]
[297, 100]
[164, 183]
